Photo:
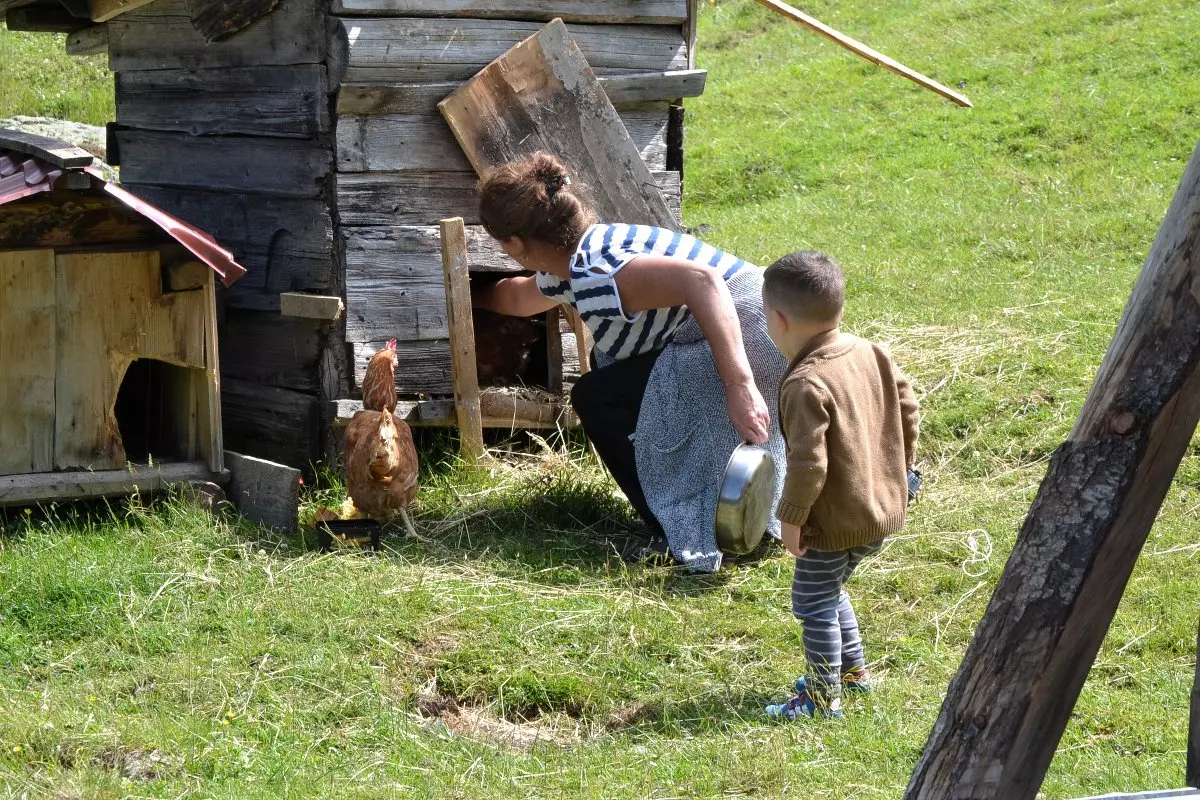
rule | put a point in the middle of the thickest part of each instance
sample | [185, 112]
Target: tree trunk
[1007, 707]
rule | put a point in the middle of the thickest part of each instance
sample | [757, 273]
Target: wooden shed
[305, 135]
[109, 377]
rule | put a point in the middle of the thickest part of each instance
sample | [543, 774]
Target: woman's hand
[748, 412]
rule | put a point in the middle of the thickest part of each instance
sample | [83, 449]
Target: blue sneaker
[803, 705]
[855, 680]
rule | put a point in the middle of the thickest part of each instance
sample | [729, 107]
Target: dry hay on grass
[939, 355]
[525, 735]
[134, 763]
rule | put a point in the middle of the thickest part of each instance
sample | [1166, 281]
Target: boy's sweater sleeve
[910, 416]
[804, 415]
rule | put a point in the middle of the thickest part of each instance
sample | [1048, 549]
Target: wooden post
[554, 351]
[1007, 707]
[583, 339]
[462, 337]
[1193, 746]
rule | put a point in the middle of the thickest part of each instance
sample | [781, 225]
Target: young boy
[849, 418]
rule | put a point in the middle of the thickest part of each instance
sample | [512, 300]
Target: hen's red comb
[391, 345]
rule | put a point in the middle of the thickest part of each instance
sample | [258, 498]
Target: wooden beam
[89, 41]
[57, 152]
[860, 49]
[311, 306]
[554, 351]
[43, 19]
[1193, 745]
[212, 425]
[543, 95]
[45, 487]
[501, 410]
[356, 99]
[104, 10]
[1007, 707]
[438, 50]
[286, 101]
[462, 338]
[640, 12]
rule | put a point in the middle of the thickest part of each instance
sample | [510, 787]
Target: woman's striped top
[592, 287]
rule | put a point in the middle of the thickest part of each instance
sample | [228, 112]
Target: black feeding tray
[358, 534]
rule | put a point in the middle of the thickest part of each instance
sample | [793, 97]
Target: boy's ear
[782, 319]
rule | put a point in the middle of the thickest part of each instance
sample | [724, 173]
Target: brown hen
[381, 459]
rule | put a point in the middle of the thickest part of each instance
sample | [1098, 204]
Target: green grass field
[148, 653]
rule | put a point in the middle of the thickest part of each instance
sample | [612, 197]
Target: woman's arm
[516, 297]
[660, 282]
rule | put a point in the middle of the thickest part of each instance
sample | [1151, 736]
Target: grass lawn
[148, 653]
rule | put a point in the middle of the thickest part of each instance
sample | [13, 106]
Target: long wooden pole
[1007, 707]
[860, 49]
[462, 338]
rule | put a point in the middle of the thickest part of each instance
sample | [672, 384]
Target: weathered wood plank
[392, 293]
[285, 245]
[423, 242]
[219, 19]
[421, 367]
[161, 36]
[311, 306]
[996, 735]
[420, 198]
[111, 310]
[395, 51]
[88, 41]
[286, 167]
[28, 352]
[58, 153]
[641, 12]
[28, 489]
[279, 425]
[500, 410]
[270, 349]
[462, 339]
[284, 101]
[419, 142]
[264, 492]
[422, 98]
[542, 95]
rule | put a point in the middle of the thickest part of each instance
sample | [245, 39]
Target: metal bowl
[744, 505]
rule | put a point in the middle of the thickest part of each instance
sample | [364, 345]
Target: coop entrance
[158, 411]
[510, 351]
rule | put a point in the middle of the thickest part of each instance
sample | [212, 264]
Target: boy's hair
[808, 285]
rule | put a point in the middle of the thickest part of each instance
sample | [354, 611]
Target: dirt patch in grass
[134, 763]
[481, 725]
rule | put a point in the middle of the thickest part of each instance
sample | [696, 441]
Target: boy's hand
[793, 539]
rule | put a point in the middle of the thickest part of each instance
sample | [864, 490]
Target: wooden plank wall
[237, 137]
[399, 170]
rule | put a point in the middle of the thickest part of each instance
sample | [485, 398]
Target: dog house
[108, 333]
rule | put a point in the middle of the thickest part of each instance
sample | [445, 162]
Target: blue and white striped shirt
[592, 288]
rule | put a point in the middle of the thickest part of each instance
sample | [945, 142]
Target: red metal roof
[22, 175]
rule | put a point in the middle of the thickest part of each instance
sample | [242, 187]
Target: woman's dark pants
[607, 402]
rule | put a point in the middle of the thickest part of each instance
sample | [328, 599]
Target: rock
[91, 138]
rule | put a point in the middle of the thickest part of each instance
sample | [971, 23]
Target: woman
[682, 356]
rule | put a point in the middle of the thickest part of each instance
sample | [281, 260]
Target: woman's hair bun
[550, 173]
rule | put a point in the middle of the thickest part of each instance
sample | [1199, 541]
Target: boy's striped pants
[832, 644]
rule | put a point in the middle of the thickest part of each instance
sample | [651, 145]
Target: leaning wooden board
[543, 95]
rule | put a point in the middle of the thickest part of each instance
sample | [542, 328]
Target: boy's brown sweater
[849, 418]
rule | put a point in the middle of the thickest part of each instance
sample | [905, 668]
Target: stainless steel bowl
[744, 505]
